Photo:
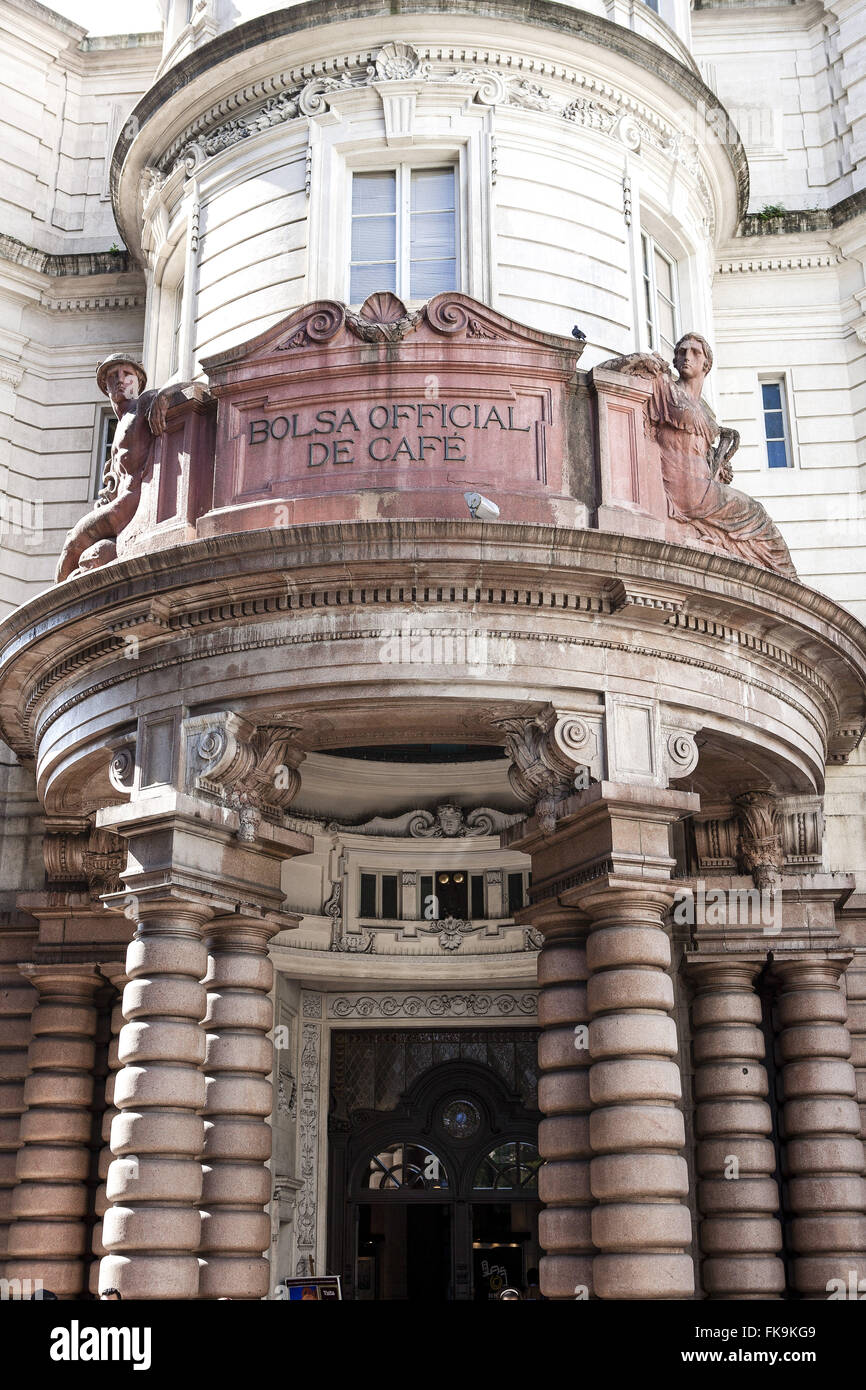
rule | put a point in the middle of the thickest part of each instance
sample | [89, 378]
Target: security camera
[481, 508]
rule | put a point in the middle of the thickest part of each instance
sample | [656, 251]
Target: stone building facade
[395, 884]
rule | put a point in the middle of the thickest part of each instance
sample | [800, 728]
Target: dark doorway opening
[433, 1187]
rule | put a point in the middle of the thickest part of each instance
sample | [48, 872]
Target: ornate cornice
[69, 263]
[760, 265]
[306, 91]
[243, 579]
[199, 68]
[223, 615]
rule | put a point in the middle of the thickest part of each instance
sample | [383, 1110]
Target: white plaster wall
[796, 322]
[62, 105]
[792, 78]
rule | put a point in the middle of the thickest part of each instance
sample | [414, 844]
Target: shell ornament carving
[396, 61]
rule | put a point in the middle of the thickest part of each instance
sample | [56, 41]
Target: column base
[143, 1276]
[646, 1277]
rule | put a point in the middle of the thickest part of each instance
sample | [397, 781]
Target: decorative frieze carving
[308, 1132]
[431, 1004]
[451, 931]
[601, 108]
[252, 769]
[447, 822]
[287, 1091]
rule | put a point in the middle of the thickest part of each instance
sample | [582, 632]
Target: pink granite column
[823, 1152]
[641, 1225]
[47, 1240]
[563, 1098]
[113, 971]
[737, 1195]
[235, 1229]
[153, 1228]
[17, 998]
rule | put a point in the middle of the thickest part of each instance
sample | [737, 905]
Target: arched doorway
[436, 1199]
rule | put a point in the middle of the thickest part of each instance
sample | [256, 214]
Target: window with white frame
[404, 232]
[777, 432]
[177, 323]
[661, 297]
[106, 424]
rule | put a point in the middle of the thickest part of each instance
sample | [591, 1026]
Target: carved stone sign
[334, 414]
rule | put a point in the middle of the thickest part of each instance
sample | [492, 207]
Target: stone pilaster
[115, 973]
[563, 1098]
[47, 1240]
[823, 1152]
[153, 1228]
[235, 1229]
[17, 998]
[737, 1193]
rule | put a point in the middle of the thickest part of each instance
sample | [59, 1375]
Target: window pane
[515, 893]
[666, 321]
[664, 276]
[433, 236]
[432, 190]
[432, 232]
[777, 454]
[408, 1165]
[368, 895]
[432, 277]
[368, 279]
[477, 909]
[374, 193]
[426, 891]
[389, 895]
[374, 239]
[772, 394]
[773, 423]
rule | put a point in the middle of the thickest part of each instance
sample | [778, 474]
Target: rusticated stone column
[48, 1237]
[563, 1098]
[115, 972]
[605, 854]
[17, 998]
[823, 1151]
[737, 1194]
[153, 1229]
[641, 1226]
[235, 1229]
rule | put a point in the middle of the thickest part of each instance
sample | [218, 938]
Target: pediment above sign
[383, 318]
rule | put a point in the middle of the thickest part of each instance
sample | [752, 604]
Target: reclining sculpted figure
[140, 418]
[696, 455]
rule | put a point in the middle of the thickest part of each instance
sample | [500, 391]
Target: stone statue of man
[140, 418]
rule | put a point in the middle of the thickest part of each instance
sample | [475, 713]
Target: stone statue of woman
[695, 459]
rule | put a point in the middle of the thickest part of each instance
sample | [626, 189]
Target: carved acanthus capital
[760, 848]
[552, 755]
[77, 853]
[251, 768]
